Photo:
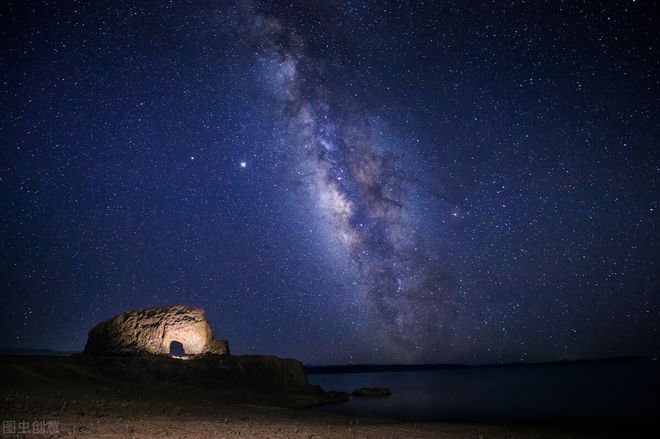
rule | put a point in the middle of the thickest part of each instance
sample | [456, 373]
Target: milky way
[356, 183]
[335, 181]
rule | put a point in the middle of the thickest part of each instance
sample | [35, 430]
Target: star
[243, 164]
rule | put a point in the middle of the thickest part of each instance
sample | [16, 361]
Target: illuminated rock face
[153, 330]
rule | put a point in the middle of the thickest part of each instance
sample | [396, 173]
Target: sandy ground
[264, 427]
[248, 421]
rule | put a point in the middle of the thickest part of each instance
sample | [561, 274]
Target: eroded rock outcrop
[116, 347]
[153, 330]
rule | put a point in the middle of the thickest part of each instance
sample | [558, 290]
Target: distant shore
[369, 368]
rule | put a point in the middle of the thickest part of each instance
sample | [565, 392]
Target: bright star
[243, 164]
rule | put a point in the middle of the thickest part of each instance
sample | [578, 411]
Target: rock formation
[152, 331]
[118, 349]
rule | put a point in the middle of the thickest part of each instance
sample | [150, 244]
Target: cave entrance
[176, 349]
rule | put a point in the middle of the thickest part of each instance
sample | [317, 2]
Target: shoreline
[113, 398]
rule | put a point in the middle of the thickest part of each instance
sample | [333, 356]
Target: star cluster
[335, 181]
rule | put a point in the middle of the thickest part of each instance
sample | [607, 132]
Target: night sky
[336, 181]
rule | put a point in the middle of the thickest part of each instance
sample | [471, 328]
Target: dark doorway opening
[176, 349]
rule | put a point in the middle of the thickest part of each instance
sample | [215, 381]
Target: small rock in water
[372, 391]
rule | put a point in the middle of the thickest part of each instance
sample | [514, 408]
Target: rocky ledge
[138, 346]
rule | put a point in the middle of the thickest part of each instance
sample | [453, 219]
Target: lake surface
[555, 393]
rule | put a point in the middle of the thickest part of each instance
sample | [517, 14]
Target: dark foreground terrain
[214, 396]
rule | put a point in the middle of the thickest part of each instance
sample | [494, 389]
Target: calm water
[602, 393]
